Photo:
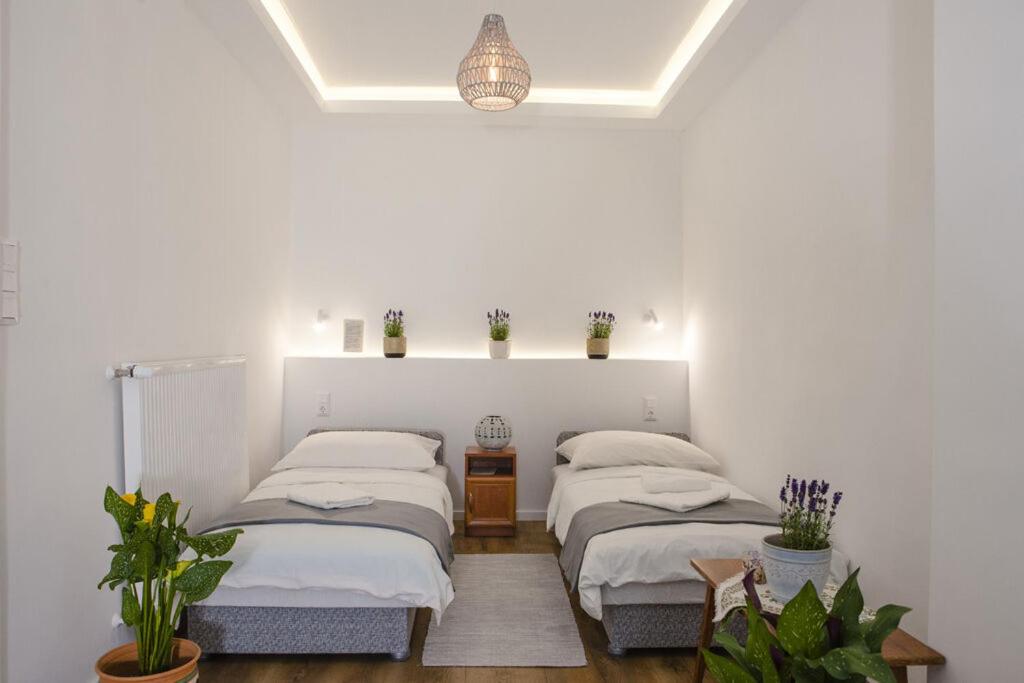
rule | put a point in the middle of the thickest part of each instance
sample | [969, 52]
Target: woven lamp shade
[493, 76]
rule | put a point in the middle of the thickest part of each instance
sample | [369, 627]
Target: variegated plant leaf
[801, 628]
[120, 509]
[120, 570]
[164, 508]
[869, 664]
[725, 670]
[130, 611]
[200, 580]
[213, 545]
[887, 620]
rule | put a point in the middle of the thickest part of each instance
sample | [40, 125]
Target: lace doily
[731, 594]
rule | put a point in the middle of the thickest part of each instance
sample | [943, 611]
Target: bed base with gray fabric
[650, 624]
[302, 630]
[308, 630]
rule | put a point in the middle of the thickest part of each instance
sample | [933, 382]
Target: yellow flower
[148, 512]
[128, 498]
[179, 568]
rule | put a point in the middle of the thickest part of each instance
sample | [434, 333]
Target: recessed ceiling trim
[712, 20]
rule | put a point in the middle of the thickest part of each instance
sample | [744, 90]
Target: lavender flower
[806, 517]
[600, 325]
[394, 323]
[499, 322]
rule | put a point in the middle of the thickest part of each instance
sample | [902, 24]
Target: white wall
[447, 222]
[976, 598]
[149, 189]
[539, 397]
[807, 264]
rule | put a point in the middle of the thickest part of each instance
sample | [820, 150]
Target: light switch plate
[650, 408]
[323, 405]
[9, 258]
[10, 309]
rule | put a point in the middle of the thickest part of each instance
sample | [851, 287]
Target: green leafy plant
[499, 322]
[394, 324]
[156, 584]
[806, 643]
[600, 324]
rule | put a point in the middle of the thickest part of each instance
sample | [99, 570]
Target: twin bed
[307, 585]
[305, 582]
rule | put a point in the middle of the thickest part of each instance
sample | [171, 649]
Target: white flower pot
[787, 571]
[499, 349]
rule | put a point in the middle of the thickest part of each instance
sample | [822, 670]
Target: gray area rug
[509, 610]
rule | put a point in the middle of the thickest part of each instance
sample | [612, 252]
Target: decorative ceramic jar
[121, 665]
[394, 347]
[499, 349]
[598, 348]
[787, 571]
[493, 432]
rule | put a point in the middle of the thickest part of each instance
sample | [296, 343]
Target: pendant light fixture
[493, 76]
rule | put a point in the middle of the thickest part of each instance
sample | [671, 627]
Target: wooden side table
[490, 492]
[899, 650]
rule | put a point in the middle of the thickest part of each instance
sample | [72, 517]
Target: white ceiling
[629, 63]
[593, 44]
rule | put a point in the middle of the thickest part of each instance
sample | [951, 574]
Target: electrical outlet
[323, 405]
[650, 409]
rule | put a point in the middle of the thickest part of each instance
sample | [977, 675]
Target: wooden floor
[640, 665]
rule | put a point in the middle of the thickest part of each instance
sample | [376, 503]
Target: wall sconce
[651, 318]
[321, 320]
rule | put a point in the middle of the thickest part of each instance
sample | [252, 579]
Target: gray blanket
[408, 518]
[604, 517]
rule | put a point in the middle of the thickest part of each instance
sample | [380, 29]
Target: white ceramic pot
[493, 432]
[499, 349]
[394, 347]
[787, 571]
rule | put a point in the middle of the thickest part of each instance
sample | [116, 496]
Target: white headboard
[541, 397]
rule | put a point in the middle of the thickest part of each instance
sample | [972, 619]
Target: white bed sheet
[341, 566]
[652, 554]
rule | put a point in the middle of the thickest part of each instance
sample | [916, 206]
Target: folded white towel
[329, 496]
[681, 502]
[672, 483]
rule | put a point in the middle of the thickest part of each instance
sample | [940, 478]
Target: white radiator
[184, 432]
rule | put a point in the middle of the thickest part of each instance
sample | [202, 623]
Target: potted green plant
[394, 334]
[156, 584]
[803, 551]
[600, 325]
[806, 642]
[499, 345]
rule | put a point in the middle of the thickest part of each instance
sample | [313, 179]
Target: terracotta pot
[499, 349]
[394, 347]
[117, 665]
[597, 348]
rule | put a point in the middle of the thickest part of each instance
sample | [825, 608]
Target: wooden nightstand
[490, 492]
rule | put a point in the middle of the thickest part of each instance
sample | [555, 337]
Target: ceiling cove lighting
[493, 76]
[707, 21]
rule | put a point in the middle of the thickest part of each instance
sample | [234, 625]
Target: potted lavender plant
[599, 331]
[803, 551]
[499, 345]
[394, 334]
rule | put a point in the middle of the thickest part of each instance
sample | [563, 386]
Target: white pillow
[386, 450]
[622, 448]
